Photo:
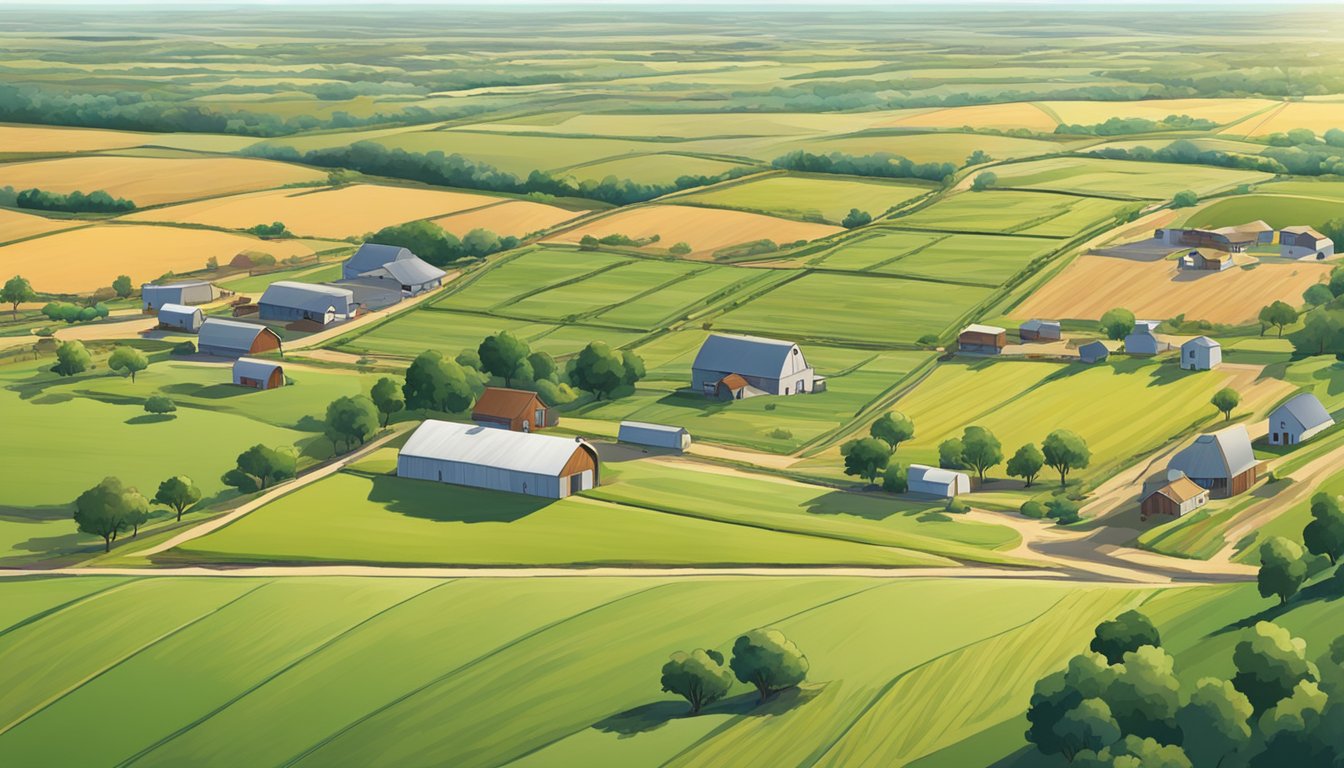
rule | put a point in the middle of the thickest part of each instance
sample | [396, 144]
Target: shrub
[1062, 510]
[1032, 509]
[184, 348]
[159, 404]
[680, 249]
[958, 507]
[780, 433]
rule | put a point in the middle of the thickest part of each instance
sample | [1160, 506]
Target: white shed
[654, 435]
[1201, 354]
[1299, 419]
[181, 317]
[933, 481]
[499, 459]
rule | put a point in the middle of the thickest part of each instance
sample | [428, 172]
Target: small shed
[290, 300]
[933, 481]
[1201, 354]
[231, 338]
[189, 292]
[746, 366]
[498, 459]
[1141, 340]
[654, 435]
[1304, 243]
[1222, 462]
[1093, 352]
[982, 339]
[515, 409]
[1299, 419]
[258, 374]
[1206, 261]
[1178, 497]
[1040, 330]
[181, 317]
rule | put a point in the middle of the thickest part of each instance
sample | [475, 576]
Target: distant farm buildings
[1201, 354]
[1040, 330]
[258, 374]
[1236, 239]
[654, 435]
[1297, 420]
[1221, 462]
[1141, 340]
[180, 317]
[514, 409]
[230, 338]
[397, 266]
[1304, 243]
[731, 367]
[1093, 352]
[154, 295]
[1175, 498]
[498, 459]
[982, 339]
[933, 481]
[1214, 247]
[290, 301]
[1206, 261]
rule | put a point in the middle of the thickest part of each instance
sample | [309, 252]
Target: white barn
[654, 435]
[1297, 420]
[1201, 354]
[933, 481]
[154, 295]
[181, 317]
[733, 367]
[499, 459]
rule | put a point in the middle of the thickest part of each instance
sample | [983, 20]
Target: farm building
[498, 459]
[515, 409]
[1141, 340]
[1040, 330]
[153, 296]
[258, 374]
[1299, 419]
[230, 338]
[1201, 354]
[1206, 261]
[1093, 352]
[1174, 499]
[397, 266]
[1221, 462]
[654, 435]
[1236, 239]
[181, 317]
[289, 300]
[1304, 243]
[982, 339]
[932, 481]
[734, 367]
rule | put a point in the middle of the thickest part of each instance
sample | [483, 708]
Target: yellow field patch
[343, 212]
[1318, 116]
[1216, 110]
[1012, 115]
[154, 180]
[704, 229]
[16, 226]
[84, 260]
[515, 217]
[38, 138]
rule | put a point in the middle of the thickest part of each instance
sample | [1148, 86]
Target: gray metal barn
[230, 338]
[153, 296]
[499, 460]
[291, 300]
[654, 435]
[396, 266]
[755, 366]
[181, 317]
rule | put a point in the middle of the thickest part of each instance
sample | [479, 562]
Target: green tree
[1127, 632]
[601, 370]
[856, 218]
[543, 367]
[1317, 295]
[894, 479]
[1064, 451]
[699, 677]
[387, 398]
[109, 508]
[1117, 323]
[158, 404]
[71, 358]
[259, 467]
[1292, 730]
[179, 493]
[122, 286]
[1270, 662]
[1134, 752]
[351, 419]
[1277, 314]
[1320, 333]
[950, 454]
[1184, 199]
[680, 249]
[892, 429]
[1062, 510]
[425, 239]
[866, 458]
[764, 658]
[1145, 695]
[1214, 723]
[1026, 463]
[128, 359]
[1225, 400]
[978, 157]
[16, 291]
[1088, 726]
[1282, 569]
[1087, 676]
[1324, 535]
[980, 450]
[984, 180]
[502, 354]
[436, 384]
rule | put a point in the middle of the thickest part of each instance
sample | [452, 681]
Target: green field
[1122, 179]
[810, 198]
[1275, 210]
[531, 271]
[657, 168]
[603, 289]
[981, 259]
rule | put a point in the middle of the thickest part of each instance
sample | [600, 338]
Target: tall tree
[1145, 695]
[502, 354]
[866, 458]
[1127, 632]
[387, 397]
[179, 493]
[1117, 323]
[351, 419]
[892, 429]
[1064, 451]
[1026, 463]
[1282, 569]
[1270, 663]
[1088, 726]
[768, 660]
[17, 291]
[601, 370]
[122, 286]
[109, 508]
[1225, 400]
[437, 384]
[1324, 535]
[1214, 723]
[980, 450]
[1278, 314]
[259, 467]
[699, 677]
[128, 359]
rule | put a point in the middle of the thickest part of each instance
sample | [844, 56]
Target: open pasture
[88, 258]
[1007, 115]
[18, 226]
[513, 277]
[337, 212]
[981, 259]
[518, 154]
[930, 147]
[690, 126]
[1123, 179]
[1092, 284]
[54, 139]
[603, 289]
[1315, 206]
[1009, 211]
[653, 168]
[150, 181]
[1088, 112]
[451, 332]
[652, 309]
[1313, 115]
[706, 230]
[809, 198]
[511, 217]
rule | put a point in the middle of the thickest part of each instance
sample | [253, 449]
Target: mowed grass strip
[870, 250]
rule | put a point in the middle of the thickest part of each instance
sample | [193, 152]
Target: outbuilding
[1141, 340]
[934, 481]
[515, 409]
[1201, 354]
[395, 265]
[1206, 261]
[1221, 462]
[654, 435]
[1299, 419]
[1093, 352]
[231, 338]
[289, 300]
[746, 366]
[498, 459]
[181, 317]
[189, 292]
[1177, 497]
[1304, 243]
[258, 374]
[982, 339]
[1040, 330]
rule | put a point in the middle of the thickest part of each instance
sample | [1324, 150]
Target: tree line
[877, 164]
[1122, 126]
[440, 247]
[97, 201]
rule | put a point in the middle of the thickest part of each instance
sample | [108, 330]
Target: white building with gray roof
[1299, 419]
[1201, 354]
[154, 295]
[394, 265]
[934, 481]
[654, 435]
[288, 300]
[745, 366]
[499, 459]
[1222, 461]
[181, 317]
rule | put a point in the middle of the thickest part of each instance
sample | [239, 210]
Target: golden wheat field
[17, 226]
[1009, 115]
[704, 229]
[155, 180]
[1216, 110]
[1316, 115]
[40, 138]
[515, 217]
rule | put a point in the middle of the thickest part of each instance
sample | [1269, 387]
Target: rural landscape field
[635, 386]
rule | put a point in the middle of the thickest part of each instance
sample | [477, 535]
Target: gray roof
[307, 296]
[992, 330]
[663, 428]
[1094, 350]
[488, 447]
[1201, 341]
[1141, 342]
[178, 312]
[371, 256]
[1036, 325]
[1222, 454]
[747, 355]
[412, 271]
[177, 284]
[229, 334]
[1307, 409]
[927, 474]
[253, 368]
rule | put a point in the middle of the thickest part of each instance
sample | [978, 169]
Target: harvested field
[89, 258]
[513, 217]
[1093, 284]
[154, 180]
[704, 229]
[1317, 116]
[342, 212]
[1275, 210]
[37, 138]
[17, 226]
[1125, 179]
[1216, 110]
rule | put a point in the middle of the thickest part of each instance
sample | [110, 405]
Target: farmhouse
[289, 300]
[1201, 354]
[1039, 330]
[498, 459]
[181, 317]
[1221, 462]
[654, 435]
[1093, 352]
[258, 374]
[1236, 239]
[982, 339]
[932, 481]
[1299, 419]
[1141, 340]
[230, 338]
[734, 367]
[396, 266]
[514, 409]
[1174, 499]
[154, 296]
[1304, 243]
[1206, 261]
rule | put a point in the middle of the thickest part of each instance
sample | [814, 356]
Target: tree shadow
[1166, 374]
[151, 418]
[51, 398]
[310, 423]
[207, 392]
[655, 715]
[445, 503]
[868, 506]
[1322, 590]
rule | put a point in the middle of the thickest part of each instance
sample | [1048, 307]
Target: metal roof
[1036, 325]
[307, 296]
[178, 284]
[1181, 490]
[1303, 230]
[1201, 341]
[992, 330]
[487, 447]
[747, 355]
[927, 474]
[1222, 454]
[1094, 348]
[371, 256]
[229, 334]
[412, 271]
[663, 428]
[253, 368]
[177, 312]
[1306, 408]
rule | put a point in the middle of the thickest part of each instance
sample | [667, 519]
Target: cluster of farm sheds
[502, 448]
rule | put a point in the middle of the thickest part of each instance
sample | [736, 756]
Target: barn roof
[497, 448]
[229, 334]
[309, 297]
[662, 428]
[992, 330]
[1093, 350]
[177, 312]
[412, 271]
[253, 368]
[1222, 454]
[1180, 490]
[177, 284]
[747, 355]
[927, 474]
[505, 403]
[733, 381]
[371, 256]
[1201, 341]
[1306, 408]
[1304, 230]
[1036, 324]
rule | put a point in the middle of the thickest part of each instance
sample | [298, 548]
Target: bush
[1032, 509]
[894, 479]
[159, 404]
[984, 181]
[74, 202]
[183, 348]
[1062, 510]
[856, 218]
[927, 340]
[957, 507]
[680, 249]
[1184, 199]
[779, 433]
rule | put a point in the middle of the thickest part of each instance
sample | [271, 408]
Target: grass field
[657, 168]
[512, 217]
[1011, 212]
[602, 289]
[1310, 207]
[937, 147]
[704, 229]
[1217, 110]
[1122, 179]
[981, 259]
[809, 198]
[1316, 116]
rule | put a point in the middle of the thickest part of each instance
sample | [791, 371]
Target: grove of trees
[762, 658]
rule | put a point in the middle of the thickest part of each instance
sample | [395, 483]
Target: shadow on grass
[151, 418]
[1324, 589]
[208, 392]
[655, 715]
[445, 503]
[870, 505]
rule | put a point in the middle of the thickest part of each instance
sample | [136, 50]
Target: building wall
[266, 341]
[701, 376]
[478, 476]
[286, 314]
[655, 438]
